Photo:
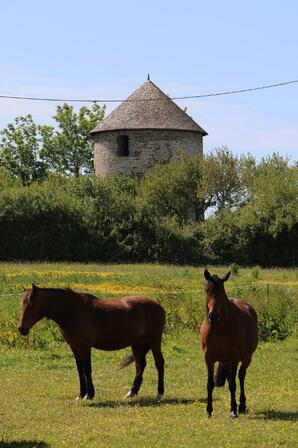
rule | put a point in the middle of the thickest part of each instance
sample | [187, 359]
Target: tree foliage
[20, 150]
[50, 211]
[30, 151]
[273, 194]
[69, 147]
[221, 185]
[170, 190]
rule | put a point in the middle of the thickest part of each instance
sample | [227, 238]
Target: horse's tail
[221, 375]
[126, 361]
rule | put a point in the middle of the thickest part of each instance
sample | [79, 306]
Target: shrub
[37, 223]
[234, 268]
[277, 310]
[255, 272]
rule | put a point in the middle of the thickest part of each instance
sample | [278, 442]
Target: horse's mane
[59, 290]
[89, 296]
[65, 292]
[85, 295]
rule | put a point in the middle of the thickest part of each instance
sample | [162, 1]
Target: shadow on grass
[23, 444]
[277, 415]
[144, 402]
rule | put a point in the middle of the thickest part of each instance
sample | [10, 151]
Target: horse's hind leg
[232, 387]
[159, 363]
[140, 350]
[241, 376]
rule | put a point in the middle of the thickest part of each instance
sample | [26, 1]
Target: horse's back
[245, 320]
[129, 303]
[244, 307]
[119, 322]
[151, 312]
[125, 307]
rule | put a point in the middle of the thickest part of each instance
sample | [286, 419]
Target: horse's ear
[207, 275]
[32, 291]
[226, 277]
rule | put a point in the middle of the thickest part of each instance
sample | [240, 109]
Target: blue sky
[104, 49]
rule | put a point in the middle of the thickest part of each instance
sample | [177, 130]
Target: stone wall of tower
[146, 147]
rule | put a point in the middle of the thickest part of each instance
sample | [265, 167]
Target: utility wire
[206, 95]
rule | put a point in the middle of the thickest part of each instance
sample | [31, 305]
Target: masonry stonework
[146, 128]
[146, 147]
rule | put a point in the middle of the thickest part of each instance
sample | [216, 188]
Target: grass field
[39, 380]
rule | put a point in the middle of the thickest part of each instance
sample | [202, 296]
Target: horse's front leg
[242, 398]
[83, 361]
[88, 371]
[80, 369]
[232, 387]
[210, 387]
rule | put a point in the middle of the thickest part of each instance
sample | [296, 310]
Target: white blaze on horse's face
[31, 311]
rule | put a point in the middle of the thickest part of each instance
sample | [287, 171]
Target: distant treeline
[250, 211]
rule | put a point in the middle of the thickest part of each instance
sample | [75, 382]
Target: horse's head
[31, 311]
[216, 295]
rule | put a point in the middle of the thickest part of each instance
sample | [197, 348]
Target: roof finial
[148, 77]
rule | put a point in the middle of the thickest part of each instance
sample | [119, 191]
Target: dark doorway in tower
[123, 146]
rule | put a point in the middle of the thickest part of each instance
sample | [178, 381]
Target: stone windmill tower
[148, 127]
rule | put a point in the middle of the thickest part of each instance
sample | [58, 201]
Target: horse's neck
[225, 309]
[58, 306]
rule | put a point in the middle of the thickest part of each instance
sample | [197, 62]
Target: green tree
[20, 150]
[272, 194]
[263, 228]
[170, 190]
[6, 180]
[221, 185]
[69, 148]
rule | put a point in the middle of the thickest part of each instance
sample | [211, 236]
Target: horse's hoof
[242, 410]
[159, 397]
[129, 394]
[233, 414]
[208, 414]
[87, 397]
[79, 397]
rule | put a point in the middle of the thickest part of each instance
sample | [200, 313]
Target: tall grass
[274, 294]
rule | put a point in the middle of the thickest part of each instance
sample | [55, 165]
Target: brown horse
[86, 321]
[229, 334]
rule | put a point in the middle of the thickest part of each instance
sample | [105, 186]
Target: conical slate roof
[148, 108]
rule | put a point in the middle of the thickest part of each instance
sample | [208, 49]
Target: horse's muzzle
[213, 317]
[23, 331]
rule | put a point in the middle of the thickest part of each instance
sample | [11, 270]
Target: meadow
[39, 380]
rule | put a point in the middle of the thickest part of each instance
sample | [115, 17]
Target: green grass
[38, 389]
[39, 380]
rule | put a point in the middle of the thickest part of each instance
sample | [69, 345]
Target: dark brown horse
[86, 321]
[229, 334]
